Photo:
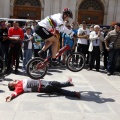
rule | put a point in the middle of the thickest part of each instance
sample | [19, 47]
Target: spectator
[28, 47]
[105, 52]
[28, 23]
[38, 44]
[94, 48]
[83, 36]
[0, 40]
[92, 28]
[67, 40]
[8, 25]
[16, 36]
[4, 41]
[113, 39]
[34, 23]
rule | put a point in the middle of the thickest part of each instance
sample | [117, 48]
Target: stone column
[6, 8]
[47, 9]
[118, 11]
[1, 8]
[111, 12]
[106, 7]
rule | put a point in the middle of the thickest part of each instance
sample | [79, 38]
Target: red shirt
[16, 32]
[18, 89]
[26, 85]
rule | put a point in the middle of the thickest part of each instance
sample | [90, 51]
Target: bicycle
[2, 66]
[37, 67]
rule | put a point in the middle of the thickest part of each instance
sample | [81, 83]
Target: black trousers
[105, 53]
[82, 48]
[94, 56]
[36, 52]
[112, 59]
[14, 51]
[55, 87]
[5, 49]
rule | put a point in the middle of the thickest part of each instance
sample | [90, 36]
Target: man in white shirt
[83, 36]
[94, 48]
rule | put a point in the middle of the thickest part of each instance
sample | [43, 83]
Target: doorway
[91, 11]
[27, 9]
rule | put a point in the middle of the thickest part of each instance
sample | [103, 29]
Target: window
[91, 5]
[31, 2]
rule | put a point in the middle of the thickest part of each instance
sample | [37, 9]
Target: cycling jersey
[55, 21]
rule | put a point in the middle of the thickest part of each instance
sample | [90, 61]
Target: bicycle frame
[59, 53]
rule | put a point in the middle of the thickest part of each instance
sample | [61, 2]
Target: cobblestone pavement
[100, 98]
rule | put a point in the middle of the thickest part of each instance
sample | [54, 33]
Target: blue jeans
[26, 57]
[112, 58]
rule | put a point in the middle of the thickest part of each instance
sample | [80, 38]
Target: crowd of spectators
[22, 43]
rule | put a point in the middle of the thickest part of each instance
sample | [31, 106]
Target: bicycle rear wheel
[2, 66]
[36, 68]
[75, 62]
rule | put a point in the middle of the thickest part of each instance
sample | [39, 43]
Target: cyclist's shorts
[43, 32]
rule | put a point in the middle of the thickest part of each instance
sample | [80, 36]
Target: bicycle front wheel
[36, 68]
[2, 67]
[75, 62]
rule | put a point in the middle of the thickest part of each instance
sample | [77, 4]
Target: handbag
[111, 45]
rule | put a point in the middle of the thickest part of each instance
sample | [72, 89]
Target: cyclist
[55, 21]
[28, 85]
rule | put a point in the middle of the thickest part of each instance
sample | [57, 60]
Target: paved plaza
[100, 98]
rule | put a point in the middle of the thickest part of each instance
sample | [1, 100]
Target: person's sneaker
[1, 80]
[108, 73]
[97, 70]
[41, 53]
[54, 63]
[77, 94]
[23, 70]
[89, 69]
[16, 71]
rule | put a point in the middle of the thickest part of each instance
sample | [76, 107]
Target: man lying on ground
[42, 86]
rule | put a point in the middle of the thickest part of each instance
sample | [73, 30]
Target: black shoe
[63, 64]
[54, 63]
[1, 80]
[108, 73]
[97, 70]
[8, 71]
[41, 53]
[89, 69]
[16, 71]
[112, 73]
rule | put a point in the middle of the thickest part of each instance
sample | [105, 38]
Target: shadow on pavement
[94, 96]
[54, 70]
[8, 79]
[48, 95]
[2, 91]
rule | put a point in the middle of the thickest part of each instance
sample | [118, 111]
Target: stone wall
[111, 8]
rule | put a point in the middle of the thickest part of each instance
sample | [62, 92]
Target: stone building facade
[92, 11]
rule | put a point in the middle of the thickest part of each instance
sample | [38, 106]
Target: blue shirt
[67, 40]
